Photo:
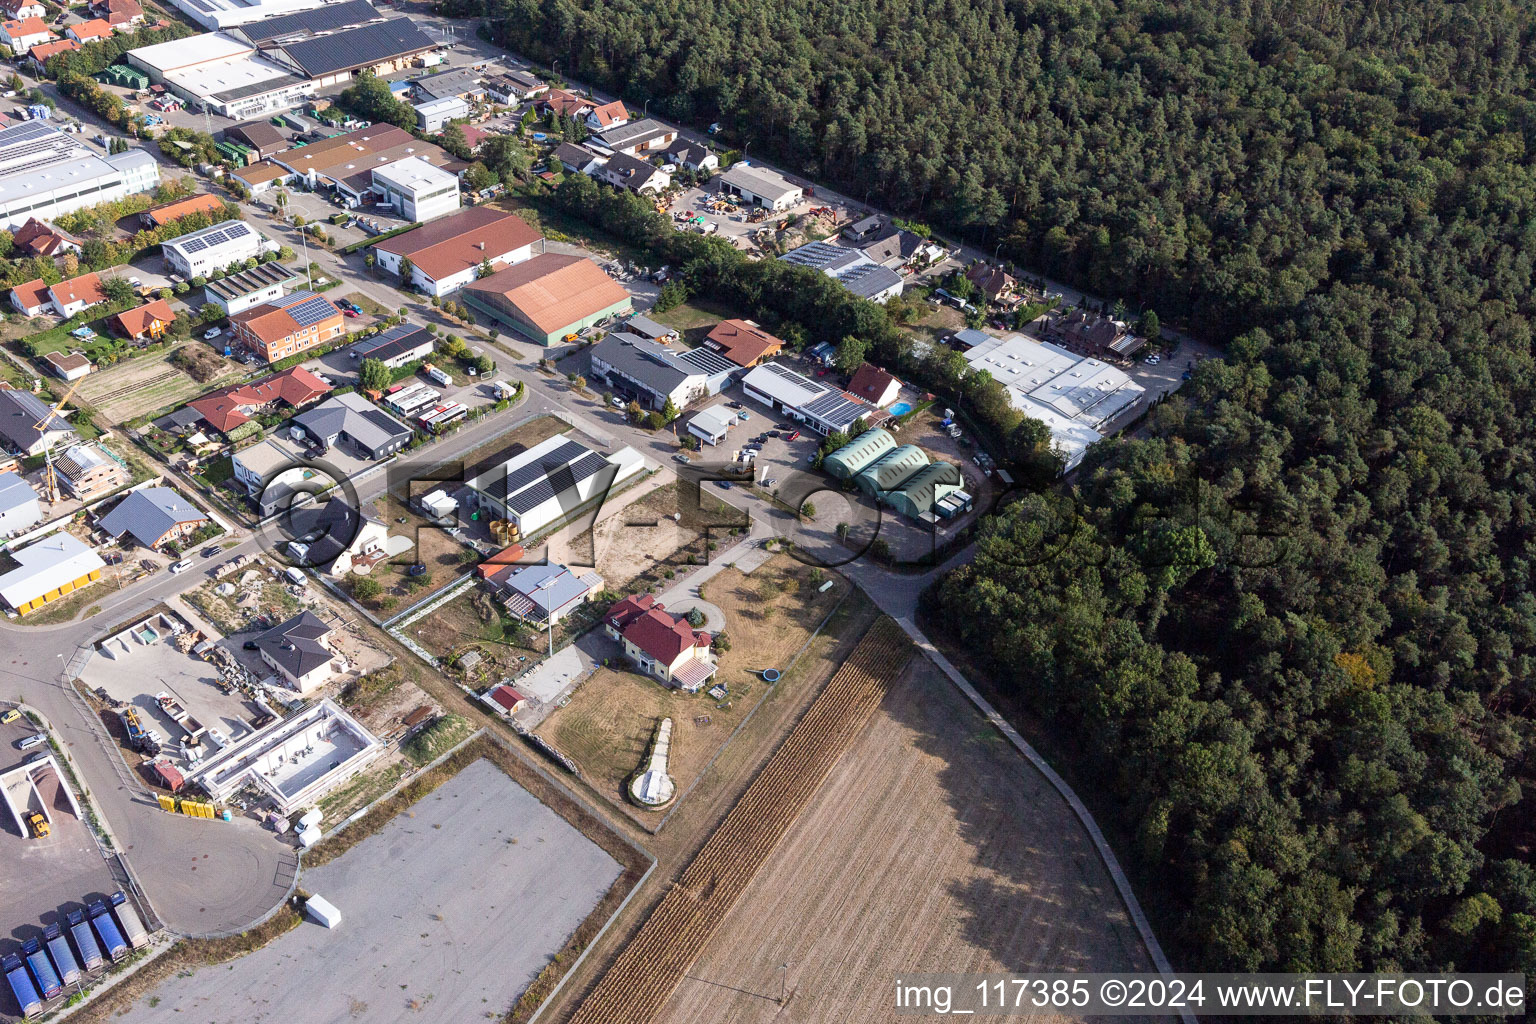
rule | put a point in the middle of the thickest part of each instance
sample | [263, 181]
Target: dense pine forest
[1293, 629]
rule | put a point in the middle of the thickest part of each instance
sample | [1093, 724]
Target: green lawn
[368, 305]
[696, 317]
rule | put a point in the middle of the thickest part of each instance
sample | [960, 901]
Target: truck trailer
[48, 984]
[21, 985]
[85, 942]
[128, 917]
[63, 960]
[106, 931]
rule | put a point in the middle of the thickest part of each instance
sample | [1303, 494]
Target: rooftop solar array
[209, 237]
[312, 310]
[525, 475]
[390, 343]
[263, 275]
[325, 19]
[556, 481]
[707, 361]
[359, 47]
[834, 408]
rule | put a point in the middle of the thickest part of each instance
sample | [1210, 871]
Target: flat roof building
[544, 594]
[549, 296]
[45, 172]
[1076, 397]
[219, 14]
[416, 189]
[433, 115]
[711, 425]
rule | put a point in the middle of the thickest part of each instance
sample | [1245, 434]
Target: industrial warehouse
[549, 482]
[1077, 397]
[45, 172]
[819, 406]
[274, 66]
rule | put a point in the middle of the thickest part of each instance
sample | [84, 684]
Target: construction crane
[50, 478]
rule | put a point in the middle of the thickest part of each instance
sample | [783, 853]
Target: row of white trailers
[426, 406]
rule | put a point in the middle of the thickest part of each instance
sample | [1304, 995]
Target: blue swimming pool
[901, 408]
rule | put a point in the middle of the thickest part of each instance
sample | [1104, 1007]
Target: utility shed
[710, 425]
[323, 911]
[849, 460]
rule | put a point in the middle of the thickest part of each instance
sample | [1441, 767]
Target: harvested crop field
[933, 846]
[651, 966]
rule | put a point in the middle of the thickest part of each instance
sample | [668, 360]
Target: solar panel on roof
[555, 482]
[359, 47]
[709, 362]
[312, 311]
[194, 244]
[525, 475]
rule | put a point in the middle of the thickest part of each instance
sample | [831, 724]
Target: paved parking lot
[447, 914]
[43, 875]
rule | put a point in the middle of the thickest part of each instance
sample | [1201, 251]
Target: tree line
[1291, 631]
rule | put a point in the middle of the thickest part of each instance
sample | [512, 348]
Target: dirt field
[639, 543]
[977, 865]
[640, 982]
[142, 386]
[607, 726]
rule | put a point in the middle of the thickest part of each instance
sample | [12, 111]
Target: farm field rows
[651, 966]
[933, 846]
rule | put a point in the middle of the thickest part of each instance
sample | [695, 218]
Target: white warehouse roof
[181, 54]
[45, 566]
[784, 385]
[415, 174]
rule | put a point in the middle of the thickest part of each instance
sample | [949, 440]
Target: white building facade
[417, 189]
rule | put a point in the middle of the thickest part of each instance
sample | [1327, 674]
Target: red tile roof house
[32, 298]
[608, 115]
[89, 31]
[40, 53]
[875, 386]
[147, 321]
[662, 644]
[120, 14]
[19, 9]
[227, 408]
[42, 239]
[70, 297]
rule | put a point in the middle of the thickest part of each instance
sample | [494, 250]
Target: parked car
[10, 716]
[209, 552]
[795, 436]
[349, 312]
[31, 741]
[725, 485]
[250, 645]
[680, 457]
[181, 566]
[212, 332]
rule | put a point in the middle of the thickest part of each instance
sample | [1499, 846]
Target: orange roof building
[743, 342]
[42, 52]
[227, 408]
[447, 253]
[23, 34]
[31, 298]
[159, 216]
[90, 31]
[147, 321]
[70, 297]
[281, 328]
[608, 115]
[549, 296]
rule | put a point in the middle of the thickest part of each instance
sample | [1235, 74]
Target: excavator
[51, 478]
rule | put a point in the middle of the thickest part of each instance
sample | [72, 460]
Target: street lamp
[549, 615]
[554, 71]
[645, 111]
[783, 980]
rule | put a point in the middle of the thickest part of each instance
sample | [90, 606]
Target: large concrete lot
[447, 914]
[41, 875]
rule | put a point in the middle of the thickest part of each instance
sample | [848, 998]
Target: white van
[296, 576]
